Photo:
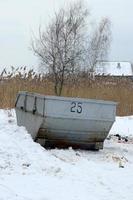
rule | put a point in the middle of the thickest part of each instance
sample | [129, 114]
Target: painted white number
[76, 107]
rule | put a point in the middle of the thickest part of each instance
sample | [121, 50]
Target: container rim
[62, 98]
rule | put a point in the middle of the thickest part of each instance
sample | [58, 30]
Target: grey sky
[19, 18]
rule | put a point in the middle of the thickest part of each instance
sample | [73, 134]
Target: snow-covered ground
[123, 126]
[29, 172]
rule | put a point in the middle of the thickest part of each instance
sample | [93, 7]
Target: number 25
[76, 107]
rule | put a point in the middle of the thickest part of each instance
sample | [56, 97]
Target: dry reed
[119, 89]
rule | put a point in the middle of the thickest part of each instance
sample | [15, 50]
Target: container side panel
[31, 122]
[30, 103]
[20, 101]
[76, 110]
[76, 125]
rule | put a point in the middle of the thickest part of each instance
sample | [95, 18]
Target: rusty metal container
[64, 121]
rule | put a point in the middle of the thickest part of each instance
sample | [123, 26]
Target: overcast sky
[18, 18]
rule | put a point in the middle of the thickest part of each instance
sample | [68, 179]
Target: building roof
[114, 68]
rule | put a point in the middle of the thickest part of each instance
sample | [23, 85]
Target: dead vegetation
[119, 89]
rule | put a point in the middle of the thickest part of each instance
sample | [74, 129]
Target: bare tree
[63, 47]
[60, 46]
[98, 44]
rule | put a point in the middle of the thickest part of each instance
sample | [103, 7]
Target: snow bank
[19, 154]
[123, 126]
[29, 172]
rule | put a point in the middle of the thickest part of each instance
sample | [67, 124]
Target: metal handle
[34, 106]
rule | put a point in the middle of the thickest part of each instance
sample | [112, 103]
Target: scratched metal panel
[76, 125]
[81, 130]
[31, 122]
[20, 101]
[79, 109]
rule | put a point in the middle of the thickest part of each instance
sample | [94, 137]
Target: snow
[14, 71]
[114, 68]
[123, 126]
[30, 172]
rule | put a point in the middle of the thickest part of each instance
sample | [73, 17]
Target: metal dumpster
[63, 121]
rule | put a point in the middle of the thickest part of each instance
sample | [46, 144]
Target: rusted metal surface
[93, 142]
[64, 122]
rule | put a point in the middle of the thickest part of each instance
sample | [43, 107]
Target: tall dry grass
[119, 89]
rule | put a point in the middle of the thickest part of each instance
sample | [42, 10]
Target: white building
[114, 68]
